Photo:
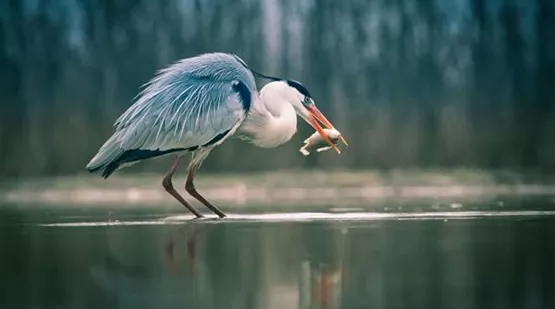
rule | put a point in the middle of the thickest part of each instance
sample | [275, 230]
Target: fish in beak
[315, 118]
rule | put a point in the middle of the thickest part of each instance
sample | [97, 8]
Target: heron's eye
[307, 100]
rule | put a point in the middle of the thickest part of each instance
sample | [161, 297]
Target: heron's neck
[271, 121]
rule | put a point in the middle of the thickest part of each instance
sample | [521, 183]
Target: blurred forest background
[411, 83]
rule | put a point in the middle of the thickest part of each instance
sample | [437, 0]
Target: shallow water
[475, 255]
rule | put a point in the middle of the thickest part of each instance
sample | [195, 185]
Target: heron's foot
[198, 217]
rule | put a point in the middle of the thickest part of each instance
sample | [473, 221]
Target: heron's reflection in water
[320, 286]
[317, 285]
[321, 275]
[192, 235]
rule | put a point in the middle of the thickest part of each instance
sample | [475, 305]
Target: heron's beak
[316, 116]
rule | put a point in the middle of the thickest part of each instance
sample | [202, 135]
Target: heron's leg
[167, 184]
[190, 187]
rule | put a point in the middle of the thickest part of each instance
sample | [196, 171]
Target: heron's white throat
[272, 119]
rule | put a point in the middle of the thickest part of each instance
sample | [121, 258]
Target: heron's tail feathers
[112, 156]
[107, 157]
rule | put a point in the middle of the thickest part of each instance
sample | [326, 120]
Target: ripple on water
[310, 217]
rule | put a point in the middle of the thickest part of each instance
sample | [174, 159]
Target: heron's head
[304, 105]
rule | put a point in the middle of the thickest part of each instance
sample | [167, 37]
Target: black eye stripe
[299, 87]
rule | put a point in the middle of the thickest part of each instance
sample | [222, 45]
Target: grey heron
[193, 106]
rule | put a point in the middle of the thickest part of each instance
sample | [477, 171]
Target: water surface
[497, 255]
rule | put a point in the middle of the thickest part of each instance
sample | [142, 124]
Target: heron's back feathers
[195, 103]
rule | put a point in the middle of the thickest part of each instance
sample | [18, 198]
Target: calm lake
[473, 255]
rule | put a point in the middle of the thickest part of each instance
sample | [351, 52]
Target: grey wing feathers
[186, 106]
